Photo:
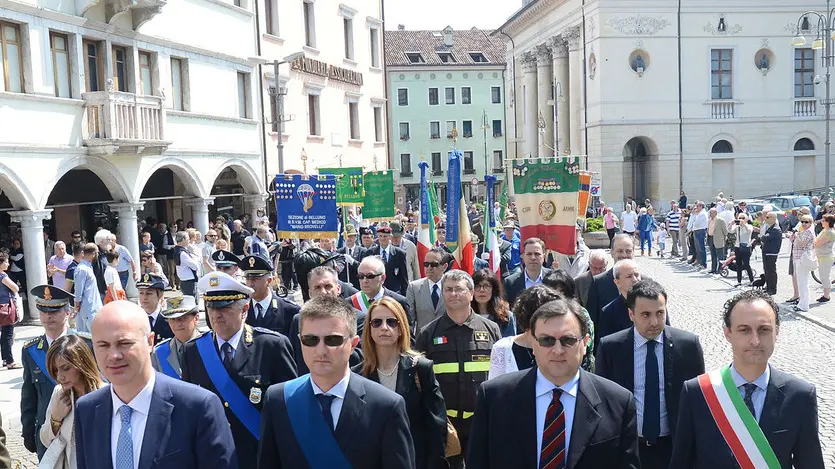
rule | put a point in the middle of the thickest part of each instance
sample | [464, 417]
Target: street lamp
[485, 124]
[279, 99]
[823, 42]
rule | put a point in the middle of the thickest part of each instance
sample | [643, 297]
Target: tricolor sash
[163, 350]
[315, 438]
[738, 427]
[38, 355]
[361, 302]
[229, 391]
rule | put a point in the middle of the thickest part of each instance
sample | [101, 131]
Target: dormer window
[415, 58]
[446, 57]
[478, 57]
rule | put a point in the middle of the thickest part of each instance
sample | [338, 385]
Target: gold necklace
[387, 374]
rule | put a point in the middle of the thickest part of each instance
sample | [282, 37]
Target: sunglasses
[431, 264]
[334, 340]
[377, 323]
[566, 341]
[368, 276]
[806, 222]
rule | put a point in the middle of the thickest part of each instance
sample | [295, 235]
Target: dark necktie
[180, 357]
[552, 454]
[652, 397]
[385, 256]
[749, 393]
[325, 401]
[151, 321]
[435, 296]
[259, 311]
[226, 348]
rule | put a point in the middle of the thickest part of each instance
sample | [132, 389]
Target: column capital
[31, 218]
[543, 55]
[200, 202]
[572, 36]
[529, 62]
[127, 208]
[558, 46]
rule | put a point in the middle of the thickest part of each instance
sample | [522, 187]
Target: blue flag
[306, 206]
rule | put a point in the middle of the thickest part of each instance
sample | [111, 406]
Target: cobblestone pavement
[803, 349]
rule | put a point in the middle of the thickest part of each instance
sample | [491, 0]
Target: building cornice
[530, 12]
[447, 68]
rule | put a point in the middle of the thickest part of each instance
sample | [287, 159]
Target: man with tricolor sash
[236, 361]
[748, 414]
[332, 418]
[182, 315]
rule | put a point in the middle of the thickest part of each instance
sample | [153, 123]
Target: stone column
[200, 213]
[128, 227]
[545, 83]
[559, 52]
[575, 71]
[530, 123]
[31, 223]
[256, 202]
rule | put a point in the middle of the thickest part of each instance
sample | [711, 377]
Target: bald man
[146, 417]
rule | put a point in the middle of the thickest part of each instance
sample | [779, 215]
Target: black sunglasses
[334, 340]
[377, 323]
[566, 341]
[432, 264]
[368, 276]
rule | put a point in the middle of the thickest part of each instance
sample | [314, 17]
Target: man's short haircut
[90, 248]
[529, 301]
[262, 229]
[560, 281]
[324, 307]
[533, 241]
[376, 260]
[749, 296]
[598, 254]
[620, 264]
[621, 237]
[442, 253]
[180, 236]
[77, 249]
[321, 271]
[456, 275]
[111, 256]
[648, 288]
[101, 236]
[559, 307]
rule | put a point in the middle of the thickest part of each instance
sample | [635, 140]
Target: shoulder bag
[453, 443]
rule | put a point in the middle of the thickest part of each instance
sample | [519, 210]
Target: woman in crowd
[563, 284]
[390, 361]
[515, 353]
[8, 290]
[17, 268]
[488, 301]
[803, 257]
[823, 249]
[742, 247]
[798, 228]
[70, 361]
[610, 222]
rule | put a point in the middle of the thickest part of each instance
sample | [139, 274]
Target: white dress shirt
[338, 391]
[628, 220]
[265, 305]
[154, 315]
[698, 221]
[529, 282]
[141, 405]
[640, 377]
[568, 399]
[233, 341]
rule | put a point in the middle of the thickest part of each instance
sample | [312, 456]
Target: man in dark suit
[556, 415]
[761, 403]
[179, 425]
[333, 418]
[603, 289]
[615, 316]
[236, 361]
[597, 266]
[624, 357]
[266, 309]
[355, 251]
[394, 258]
[533, 255]
[372, 275]
[151, 288]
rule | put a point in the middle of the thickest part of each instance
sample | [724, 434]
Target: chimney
[447, 36]
[401, 27]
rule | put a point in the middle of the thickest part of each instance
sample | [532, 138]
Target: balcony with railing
[805, 107]
[722, 109]
[119, 122]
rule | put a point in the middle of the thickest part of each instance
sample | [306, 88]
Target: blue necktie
[435, 296]
[325, 401]
[748, 399]
[652, 397]
[124, 445]
[385, 256]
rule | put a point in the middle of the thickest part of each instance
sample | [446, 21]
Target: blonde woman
[70, 361]
[742, 248]
[823, 249]
[803, 257]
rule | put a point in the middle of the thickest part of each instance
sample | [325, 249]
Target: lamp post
[484, 126]
[279, 100]
[823, 42]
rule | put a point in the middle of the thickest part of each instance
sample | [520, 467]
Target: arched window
[722, 146]
[804, 144]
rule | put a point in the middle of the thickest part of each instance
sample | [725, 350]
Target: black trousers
[743, 262]
[770, 270]
[611, 232]
[6, 342]
[656, 456]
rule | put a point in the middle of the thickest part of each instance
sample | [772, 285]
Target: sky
[460, 14]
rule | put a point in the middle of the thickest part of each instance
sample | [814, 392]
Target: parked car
[760, 206]
[791, 204]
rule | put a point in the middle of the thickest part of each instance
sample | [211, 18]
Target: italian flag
[426, 234]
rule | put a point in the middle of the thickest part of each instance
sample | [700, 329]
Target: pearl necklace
[387, 373]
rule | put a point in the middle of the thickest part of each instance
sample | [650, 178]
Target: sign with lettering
[316, 67]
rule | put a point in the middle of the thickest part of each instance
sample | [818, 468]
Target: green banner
[379, 196]
[547, 177]
[350, 189]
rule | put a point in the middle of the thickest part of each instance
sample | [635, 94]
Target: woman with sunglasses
[742, 247]
[804, 248]
[488, 301]
[824, 250]
[390, 361]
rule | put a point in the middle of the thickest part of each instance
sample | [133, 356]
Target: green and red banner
[349, 185]
[379, 196]
[546, 201]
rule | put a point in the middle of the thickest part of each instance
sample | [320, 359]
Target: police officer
[226, 262]
[236, 361]
[459, 343]
[266, 309]
[151, 289]
[182, 315]
[54, 307]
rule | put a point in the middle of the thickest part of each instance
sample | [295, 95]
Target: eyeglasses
[211, 236]
[566, 341]
[806, 222]
[431, 264]
[484, 287]
[456, 291]
[334, 340]
[377, 323]
[368, 276]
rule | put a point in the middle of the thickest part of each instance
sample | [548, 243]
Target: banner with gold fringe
[305, 206]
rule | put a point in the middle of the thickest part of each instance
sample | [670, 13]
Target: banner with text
[546, 201]
[349, 185]
[306, 206]
[379, 196]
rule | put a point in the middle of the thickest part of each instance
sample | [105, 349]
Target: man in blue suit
[333, 418]
[145, 419]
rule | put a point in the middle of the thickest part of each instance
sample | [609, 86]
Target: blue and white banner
[490, 201]
[453, 198]
[424, 198]
[305, 206]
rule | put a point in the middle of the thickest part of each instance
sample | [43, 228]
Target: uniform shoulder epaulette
[31, 342]
[164, 341]
[264, 330]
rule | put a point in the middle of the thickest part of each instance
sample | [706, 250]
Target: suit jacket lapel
[157, 428]
[351, 413]
[669, 366]
[525, 427]
[629, 356]
[104, 422]
[770, 417]
[405, 375]
[586, 419]
[242, 353]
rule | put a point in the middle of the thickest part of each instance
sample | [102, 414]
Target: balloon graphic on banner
[305, 194]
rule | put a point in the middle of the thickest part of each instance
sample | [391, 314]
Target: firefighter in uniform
[459, 343]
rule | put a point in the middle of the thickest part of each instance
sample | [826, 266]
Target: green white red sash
[360, 302]
[738, 427]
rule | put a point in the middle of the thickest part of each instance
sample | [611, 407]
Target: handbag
[808, 261]
[453, 443]
[8, 314]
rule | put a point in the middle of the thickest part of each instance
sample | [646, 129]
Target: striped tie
[552, 454]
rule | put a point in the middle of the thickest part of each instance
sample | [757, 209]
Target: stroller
[729, 264]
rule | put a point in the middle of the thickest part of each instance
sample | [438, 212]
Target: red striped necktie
[552, 454]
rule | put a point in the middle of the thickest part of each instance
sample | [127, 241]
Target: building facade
[333, 97]
[447, 90]
[706, 98]
[116, 111]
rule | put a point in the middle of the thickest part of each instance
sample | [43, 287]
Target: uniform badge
[40, 344]
[221, 257]
[47, 293]
[147, 278]
[439, 340]
[275, 304]
[255, 395]
[251, 262]
[481, 336]
[214, 281]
